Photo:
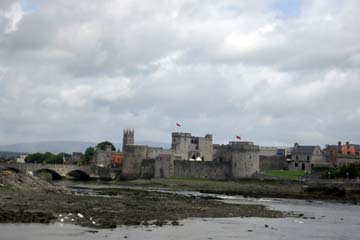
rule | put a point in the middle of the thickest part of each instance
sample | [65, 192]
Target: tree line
[50, 158]
[347, 171]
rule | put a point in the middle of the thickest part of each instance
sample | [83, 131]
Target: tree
[103, 145]
[47, 157]
[89, 154]
[35, 158]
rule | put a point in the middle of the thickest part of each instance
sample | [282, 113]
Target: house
[350, 149]
[343, 154]
[116, 159]
[332, 152]
[21, 158]
[306, 157]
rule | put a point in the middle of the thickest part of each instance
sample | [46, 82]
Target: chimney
[347, 144]
[339, 144]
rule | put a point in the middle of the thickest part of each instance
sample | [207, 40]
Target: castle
[190, 157]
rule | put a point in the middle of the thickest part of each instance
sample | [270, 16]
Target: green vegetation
[45, 158]
[103, 145]
[290, 174]
[88, 156]
[349, 171]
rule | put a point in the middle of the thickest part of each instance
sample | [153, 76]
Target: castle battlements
[190, 156]
[181, 134]
[249, 146]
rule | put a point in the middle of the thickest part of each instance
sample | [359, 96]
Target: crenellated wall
[234, 160]
[186, 146]
[243, 156]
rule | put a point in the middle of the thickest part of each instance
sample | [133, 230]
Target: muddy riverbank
[26, 199]
[125, 207]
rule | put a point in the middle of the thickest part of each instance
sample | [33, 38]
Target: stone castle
[190, 157]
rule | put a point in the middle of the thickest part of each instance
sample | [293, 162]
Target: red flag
[238, 137]
[178, 124]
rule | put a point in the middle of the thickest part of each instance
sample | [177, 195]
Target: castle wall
[245, 164]
[272, 163]
[164, 166]
[268, 151]
[221, 153]
[147, 168]
[153, 152]
[133, 156]
[243, 156]
[186, 146]
[209, 170]
[206, 148]
[235, 160]
[180, 144]
[102, 158]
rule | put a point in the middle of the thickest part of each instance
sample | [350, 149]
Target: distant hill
[51, 146]
[9, 155]
[64, 146]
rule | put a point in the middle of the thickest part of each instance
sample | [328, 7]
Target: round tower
[244, 159]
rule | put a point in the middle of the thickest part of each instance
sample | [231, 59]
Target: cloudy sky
[274, 72]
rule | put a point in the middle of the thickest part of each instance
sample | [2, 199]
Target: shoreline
[124, 207]
[21, 203]
[255, 188]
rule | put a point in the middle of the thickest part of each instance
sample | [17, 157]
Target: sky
[274, 72]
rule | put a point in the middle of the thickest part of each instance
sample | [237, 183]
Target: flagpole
[178, 125]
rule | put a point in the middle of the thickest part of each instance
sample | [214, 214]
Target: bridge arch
[54, 175]
[78, 174]
[13, 169]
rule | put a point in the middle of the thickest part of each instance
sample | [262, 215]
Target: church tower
[128, 137]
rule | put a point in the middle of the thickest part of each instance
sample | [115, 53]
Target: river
[321, 220]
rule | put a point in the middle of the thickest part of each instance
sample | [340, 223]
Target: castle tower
[244, 159]
[128, 137]
[180, 144]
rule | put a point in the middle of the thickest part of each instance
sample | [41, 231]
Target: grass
[290, 174]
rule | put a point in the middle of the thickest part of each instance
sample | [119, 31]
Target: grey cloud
[80, 71]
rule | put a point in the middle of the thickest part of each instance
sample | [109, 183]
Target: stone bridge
[58, 171]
